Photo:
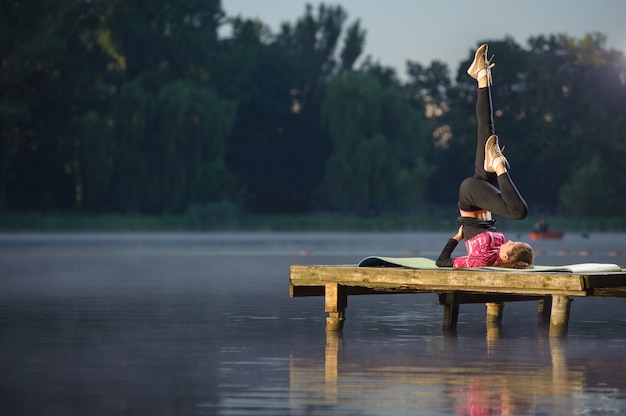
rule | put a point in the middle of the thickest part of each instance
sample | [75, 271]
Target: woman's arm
[445, 258]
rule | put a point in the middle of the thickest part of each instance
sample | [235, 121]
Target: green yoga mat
[425, 263]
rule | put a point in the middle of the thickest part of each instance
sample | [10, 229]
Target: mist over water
[203, 324]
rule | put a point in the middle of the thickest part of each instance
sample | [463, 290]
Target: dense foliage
[154, 107]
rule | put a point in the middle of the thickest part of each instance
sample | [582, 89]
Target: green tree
[263, 144]
[431, 92]
[278, 147]
[158, 39]
[576, 113]
[353, 45]
[163, 142]
[193, 123]
[378, 139]
[141, 107]
[96, 151]
[170, 122]
[35, 169]
[593, 192]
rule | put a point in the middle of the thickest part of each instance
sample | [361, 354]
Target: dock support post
[495, 310]
[336, 301]
[450, 303]
[544, 311]
[559, 318]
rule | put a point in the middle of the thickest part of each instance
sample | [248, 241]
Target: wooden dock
[553, 290]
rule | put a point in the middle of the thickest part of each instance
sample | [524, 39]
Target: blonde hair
[520, 257]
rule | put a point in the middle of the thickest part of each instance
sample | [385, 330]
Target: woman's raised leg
[480, 69]
[491, 188]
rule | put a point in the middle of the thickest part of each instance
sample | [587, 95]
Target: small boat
[542, 235]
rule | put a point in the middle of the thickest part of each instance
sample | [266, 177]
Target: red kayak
[542, 235]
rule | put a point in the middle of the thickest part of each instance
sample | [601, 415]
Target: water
[202, 324]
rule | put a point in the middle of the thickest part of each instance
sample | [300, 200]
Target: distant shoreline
[313, 222]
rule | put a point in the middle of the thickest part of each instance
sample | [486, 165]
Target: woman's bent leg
[516, 206]
[476, 194]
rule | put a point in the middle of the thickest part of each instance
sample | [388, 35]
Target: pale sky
[423, 31]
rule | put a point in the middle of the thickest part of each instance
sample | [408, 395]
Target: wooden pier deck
[553, 290]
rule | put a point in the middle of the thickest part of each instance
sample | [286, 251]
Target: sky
[449, 30]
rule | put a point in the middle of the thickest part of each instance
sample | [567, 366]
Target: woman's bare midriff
[481, 215]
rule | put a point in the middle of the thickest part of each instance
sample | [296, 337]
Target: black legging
[486, 190]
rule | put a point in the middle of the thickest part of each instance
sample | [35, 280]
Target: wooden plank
[440, 279]
[610, 292]
[468, 297]
[303, 291]
[375, 276]
[606, 280]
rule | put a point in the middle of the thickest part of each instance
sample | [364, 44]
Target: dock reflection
[450, 377]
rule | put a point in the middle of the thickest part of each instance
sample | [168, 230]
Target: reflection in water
[452, 384]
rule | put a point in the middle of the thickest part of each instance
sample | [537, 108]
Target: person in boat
[542, 226]
[490, 190]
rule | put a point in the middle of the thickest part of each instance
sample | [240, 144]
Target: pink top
[482, 250]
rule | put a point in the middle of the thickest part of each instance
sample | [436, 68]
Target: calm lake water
[202, 324]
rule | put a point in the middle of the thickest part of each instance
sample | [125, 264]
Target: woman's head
[516, 255]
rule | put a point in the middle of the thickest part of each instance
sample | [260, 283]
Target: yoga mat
[425, 263]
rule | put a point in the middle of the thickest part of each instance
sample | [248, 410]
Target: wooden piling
[495, 310]
[450, 302]
[544, 310]
[336, 300]
[559, 318]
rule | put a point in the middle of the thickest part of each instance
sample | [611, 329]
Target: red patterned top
[482, 250]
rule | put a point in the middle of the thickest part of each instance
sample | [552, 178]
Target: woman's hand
[459, 234]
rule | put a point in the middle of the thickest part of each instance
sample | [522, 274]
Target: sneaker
[492, 152]
[480, 63]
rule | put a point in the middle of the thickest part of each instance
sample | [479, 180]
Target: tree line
[154, 107]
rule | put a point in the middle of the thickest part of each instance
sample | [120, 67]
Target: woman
[490, 190]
